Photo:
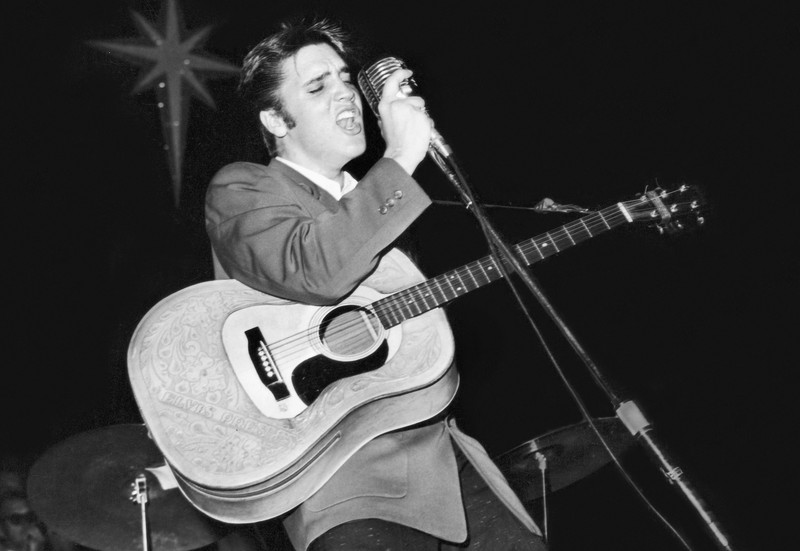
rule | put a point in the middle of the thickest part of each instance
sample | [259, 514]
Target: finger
[392, 88]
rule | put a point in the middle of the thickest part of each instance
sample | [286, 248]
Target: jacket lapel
[307, 187]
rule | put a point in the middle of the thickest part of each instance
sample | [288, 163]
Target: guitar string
[599, 223]
[283, 348]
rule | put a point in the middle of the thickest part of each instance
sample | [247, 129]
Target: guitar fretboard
[430, 294]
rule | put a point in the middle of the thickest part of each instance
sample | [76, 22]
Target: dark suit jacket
[276, 231]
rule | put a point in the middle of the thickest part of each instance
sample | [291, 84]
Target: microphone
[371, 81]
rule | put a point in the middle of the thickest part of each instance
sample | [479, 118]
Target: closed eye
[317, 84]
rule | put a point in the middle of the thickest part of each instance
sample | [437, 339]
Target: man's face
[319, 95]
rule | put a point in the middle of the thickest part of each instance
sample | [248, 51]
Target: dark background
[586, 103]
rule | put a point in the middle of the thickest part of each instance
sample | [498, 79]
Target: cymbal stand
[139, 495]
[541, 460]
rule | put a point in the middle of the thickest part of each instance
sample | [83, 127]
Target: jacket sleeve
[273, 235]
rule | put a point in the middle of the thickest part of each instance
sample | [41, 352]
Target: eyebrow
[317, 79]
[324, 75]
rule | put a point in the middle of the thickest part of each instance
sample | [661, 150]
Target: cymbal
[82, 489]
[572, 453]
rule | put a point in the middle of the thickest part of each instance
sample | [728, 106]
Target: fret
[603, 218]
[475, 283]
[586, 227]
[566, 231]
[538, 250]
[550, 237]
[426, 297]
[462, 288]
[483, 271]
[492, 270]
[449, 280]
[495, 271]
[574, 233]
[445, 295]
[561, 242]
[410, 304]
[545, 248]
[388, 316]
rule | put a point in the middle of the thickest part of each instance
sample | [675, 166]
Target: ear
[273, 122]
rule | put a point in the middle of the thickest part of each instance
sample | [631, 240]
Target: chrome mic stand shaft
[627, 411]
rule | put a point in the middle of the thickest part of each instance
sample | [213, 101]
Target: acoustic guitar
[256, 401]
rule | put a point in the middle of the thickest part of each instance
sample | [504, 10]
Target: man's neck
[336, 187]
[335, 173]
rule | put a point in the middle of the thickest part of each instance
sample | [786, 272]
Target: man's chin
[357, 148]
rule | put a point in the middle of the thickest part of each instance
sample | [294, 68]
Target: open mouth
[346, 120]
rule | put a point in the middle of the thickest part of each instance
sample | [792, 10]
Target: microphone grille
[372, 79]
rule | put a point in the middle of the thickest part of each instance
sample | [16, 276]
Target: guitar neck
[430, 294]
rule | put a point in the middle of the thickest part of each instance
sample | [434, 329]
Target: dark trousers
[490, 525]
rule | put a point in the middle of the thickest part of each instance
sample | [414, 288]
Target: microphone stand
[627, 411]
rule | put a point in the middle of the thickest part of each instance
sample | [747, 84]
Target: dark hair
[262, 69]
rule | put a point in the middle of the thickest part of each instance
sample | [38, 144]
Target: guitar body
[256, 401]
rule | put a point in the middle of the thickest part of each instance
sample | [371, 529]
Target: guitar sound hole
[350, 331]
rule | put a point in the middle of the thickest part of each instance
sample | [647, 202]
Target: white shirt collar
[331, 186]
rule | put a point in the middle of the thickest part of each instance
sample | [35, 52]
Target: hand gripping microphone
[371, 81]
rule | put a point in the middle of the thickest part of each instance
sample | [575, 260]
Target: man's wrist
[405, 161]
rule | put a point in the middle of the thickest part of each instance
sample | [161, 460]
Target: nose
[346, 92]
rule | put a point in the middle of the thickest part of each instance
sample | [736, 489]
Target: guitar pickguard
[303, 349]
[314, 375]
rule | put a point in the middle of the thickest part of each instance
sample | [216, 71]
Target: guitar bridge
[264, 364]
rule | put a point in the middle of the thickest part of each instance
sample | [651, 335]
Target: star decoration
[171, 65]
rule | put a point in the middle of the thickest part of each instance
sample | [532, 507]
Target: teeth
[347, 120]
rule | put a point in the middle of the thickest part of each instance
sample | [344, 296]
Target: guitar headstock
[670, 211]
